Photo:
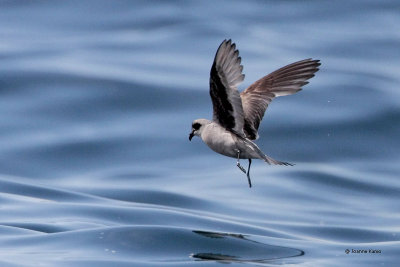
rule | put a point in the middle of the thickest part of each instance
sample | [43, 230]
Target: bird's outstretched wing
[225, 75]
[284, 81]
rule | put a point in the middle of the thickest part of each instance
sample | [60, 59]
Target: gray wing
[225, 75]
[284, 81]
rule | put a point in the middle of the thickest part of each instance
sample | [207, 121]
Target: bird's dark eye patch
[196, 126]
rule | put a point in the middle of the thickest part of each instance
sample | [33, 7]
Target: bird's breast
[220, 140]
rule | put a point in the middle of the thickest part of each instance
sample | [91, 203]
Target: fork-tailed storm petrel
[237, 116]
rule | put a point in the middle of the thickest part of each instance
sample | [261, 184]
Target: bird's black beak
[191, 136]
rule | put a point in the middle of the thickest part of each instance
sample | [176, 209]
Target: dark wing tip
[285, 163]
[228, 42]
[316, 62]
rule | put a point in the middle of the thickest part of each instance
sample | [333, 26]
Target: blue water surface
[96, 104]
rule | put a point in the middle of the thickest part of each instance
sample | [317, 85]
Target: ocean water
[96, 104]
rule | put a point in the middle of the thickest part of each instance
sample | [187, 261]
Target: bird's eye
[196, 126]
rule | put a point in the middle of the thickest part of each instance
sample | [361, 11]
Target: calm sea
[96, 104]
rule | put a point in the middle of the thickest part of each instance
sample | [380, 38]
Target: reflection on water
[96, 101]
[244, 249]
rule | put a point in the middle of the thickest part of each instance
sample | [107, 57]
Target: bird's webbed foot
[238, 163]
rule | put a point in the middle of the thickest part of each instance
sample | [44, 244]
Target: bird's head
[197, 127]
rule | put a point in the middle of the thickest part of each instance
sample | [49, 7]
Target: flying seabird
[237, 116]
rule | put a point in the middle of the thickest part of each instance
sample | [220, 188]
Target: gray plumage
[225, 75]
[284, 81]
[236, 117]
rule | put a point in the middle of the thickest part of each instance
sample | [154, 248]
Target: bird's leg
[248, 173]
[238, 163]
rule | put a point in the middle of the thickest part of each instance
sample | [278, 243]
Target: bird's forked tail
[272, 161]
[261, 155]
